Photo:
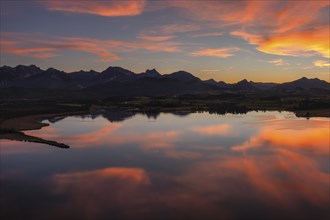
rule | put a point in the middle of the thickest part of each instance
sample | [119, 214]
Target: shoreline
[34, 122]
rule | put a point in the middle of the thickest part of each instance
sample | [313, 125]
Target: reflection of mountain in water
[56, 119]
[182, 113]
[152, 115]
[117, 116]
[122, 115]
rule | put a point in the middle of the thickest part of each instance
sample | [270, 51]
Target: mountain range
[119, 81]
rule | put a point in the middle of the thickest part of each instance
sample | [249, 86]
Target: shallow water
[260, 165]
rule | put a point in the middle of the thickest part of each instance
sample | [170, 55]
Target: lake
[259, 165]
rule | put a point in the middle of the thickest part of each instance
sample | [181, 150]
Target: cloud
[219, 52]
[210, 11]
[288, 28]
[107, 8]
[313, 42]
[170, 29]
[212, 130]
[278, 62]
[321, 63]
[159, 139]
[135, 175]
[95, 192]
[210, 34]
[44, 47]
[155, 38]
[313, 139]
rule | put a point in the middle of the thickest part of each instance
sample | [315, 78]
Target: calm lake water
[262, 165]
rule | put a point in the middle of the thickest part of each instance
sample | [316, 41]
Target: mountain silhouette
[31, 81]
[304, 83]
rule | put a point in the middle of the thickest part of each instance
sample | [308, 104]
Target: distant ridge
[304, 83]
[119, 81]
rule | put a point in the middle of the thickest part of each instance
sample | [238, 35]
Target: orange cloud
[289, 28]
[212, 130]
[321, 63]
[220, 52]
[107, 8]
[296, 43]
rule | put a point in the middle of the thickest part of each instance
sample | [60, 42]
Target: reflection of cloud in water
[314, 139]
[282, 180]
[95, 192]
[212, 130]
[282, 183]
[109, 135]
[132, 175]
[274, 171]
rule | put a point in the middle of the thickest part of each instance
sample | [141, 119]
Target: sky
[258, 40]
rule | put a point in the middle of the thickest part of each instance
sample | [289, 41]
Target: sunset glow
[273, 40]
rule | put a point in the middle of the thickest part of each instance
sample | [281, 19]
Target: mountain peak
[113, 68]
[211, 81]
[245, 85]
[117, 70]
[150, 73]
[305, 83]
[51, 69]
[182, 76]
[34, 67]
[153, 71]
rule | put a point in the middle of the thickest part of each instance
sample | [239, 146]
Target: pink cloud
[43, 47]
[219, 52]
[107, 8]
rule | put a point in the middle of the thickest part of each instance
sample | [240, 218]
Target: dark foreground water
[185, 166]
